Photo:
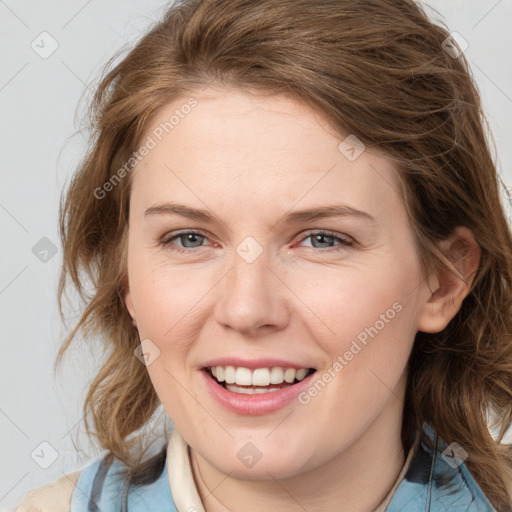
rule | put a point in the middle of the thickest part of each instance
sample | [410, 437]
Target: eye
[188, 238]
[321, 238]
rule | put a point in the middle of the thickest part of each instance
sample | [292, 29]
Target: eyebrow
[308, 215]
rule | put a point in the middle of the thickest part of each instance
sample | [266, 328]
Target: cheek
[359, 304]
[164, 297]
[365, 323]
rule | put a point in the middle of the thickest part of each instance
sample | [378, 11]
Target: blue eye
[190, 239]
[187, 236]
[321, 236]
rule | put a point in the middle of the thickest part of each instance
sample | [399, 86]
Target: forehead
[238, 149]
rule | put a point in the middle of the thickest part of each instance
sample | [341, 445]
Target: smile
[260, 380]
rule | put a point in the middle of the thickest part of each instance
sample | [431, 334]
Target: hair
[372, 68]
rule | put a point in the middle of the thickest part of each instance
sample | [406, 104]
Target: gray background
[41, 146]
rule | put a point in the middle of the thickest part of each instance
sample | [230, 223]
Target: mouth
[260, 380]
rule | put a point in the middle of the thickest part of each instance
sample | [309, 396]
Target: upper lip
[254, 363]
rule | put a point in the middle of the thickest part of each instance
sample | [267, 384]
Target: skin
[250, 160]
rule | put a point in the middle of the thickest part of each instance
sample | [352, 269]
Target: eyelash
[345, 244]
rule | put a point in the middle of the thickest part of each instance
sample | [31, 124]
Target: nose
[253, 297]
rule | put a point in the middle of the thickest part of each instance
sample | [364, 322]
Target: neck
[359, 477]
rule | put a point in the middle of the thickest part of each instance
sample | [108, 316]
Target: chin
[278, 466]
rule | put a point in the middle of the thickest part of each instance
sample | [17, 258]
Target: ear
[129, 303]
[451, 285]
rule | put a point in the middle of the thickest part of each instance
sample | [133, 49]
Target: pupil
[190, 238]
[319, 238]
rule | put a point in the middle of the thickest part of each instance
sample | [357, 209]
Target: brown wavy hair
[373, 68]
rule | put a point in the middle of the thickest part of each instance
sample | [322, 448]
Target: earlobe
[452, 284]
[129, 304]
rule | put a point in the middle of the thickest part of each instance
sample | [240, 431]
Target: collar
[181, 479]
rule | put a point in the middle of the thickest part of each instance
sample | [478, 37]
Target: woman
[233, 142]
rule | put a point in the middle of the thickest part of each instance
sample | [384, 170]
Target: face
[257, 241]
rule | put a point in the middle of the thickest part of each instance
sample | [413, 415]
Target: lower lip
[256, 404]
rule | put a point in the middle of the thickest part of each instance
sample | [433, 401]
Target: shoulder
[101, 481]
[52, 497]
[73, 491]
[103, 485]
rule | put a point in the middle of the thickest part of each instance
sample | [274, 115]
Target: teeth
[259, 377]
[243, 377]
[289, 374]
[229, 374]
[249, 391]
[276, 375]
[300, 374]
